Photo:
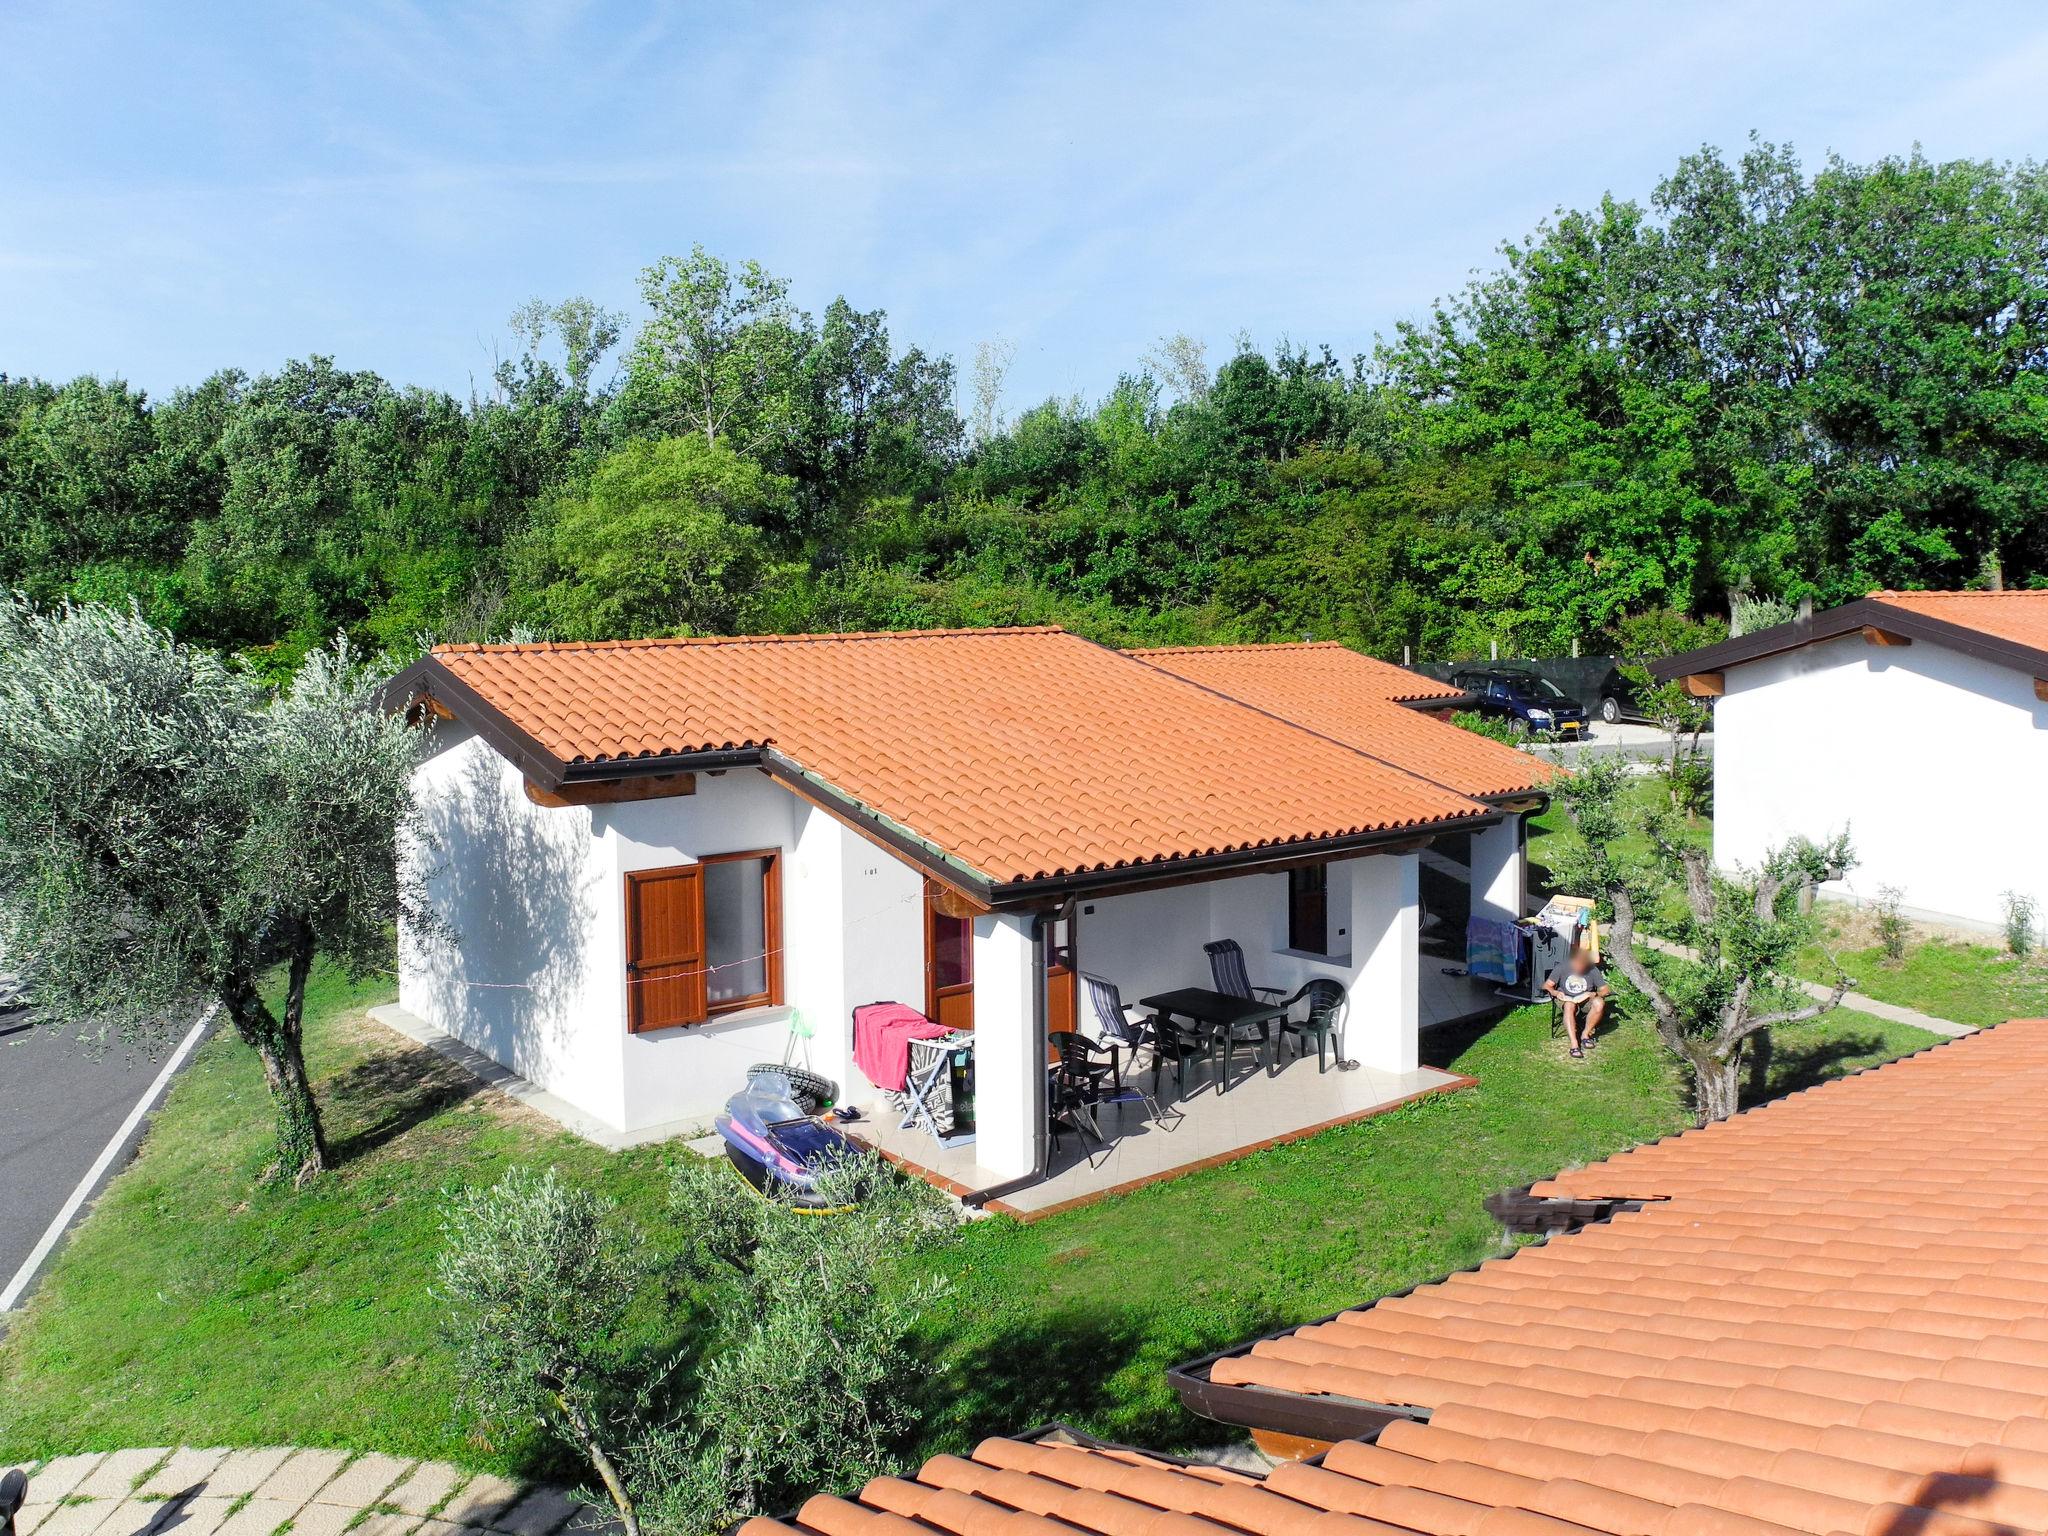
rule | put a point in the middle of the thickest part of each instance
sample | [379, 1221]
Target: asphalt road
[60, 1105]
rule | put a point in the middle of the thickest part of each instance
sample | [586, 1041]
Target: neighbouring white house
[652, 858]
[1917, 722]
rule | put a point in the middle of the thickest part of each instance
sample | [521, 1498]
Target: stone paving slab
[483, 1500]
[321, 1520]
[54, 1479]
[131, 1517]
[201, 1515]
[429, 1486]
[74, 1519]
[360, 1483]
[446, 1528]
[216, 1492]
[301, 1476]
[242, 1472]
[115, 1478]
[186, 1469]
[543, 1512]
[258, 1517]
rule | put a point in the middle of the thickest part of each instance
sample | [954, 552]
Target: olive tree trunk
[280, 1043]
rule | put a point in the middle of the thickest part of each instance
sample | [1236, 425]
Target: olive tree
[171, 833]
[798, 1330]
[1724, 981]
[539, 1276]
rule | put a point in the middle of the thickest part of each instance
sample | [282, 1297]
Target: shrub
[538, 1277]
[1486, 725]
[2020, 912]
[1889, 919]
[808, 1374]
[814, 1379]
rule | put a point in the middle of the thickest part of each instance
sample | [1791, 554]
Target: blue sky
[384, 181]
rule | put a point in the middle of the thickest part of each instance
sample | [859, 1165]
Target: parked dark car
[1528, 703]
[1618, 699]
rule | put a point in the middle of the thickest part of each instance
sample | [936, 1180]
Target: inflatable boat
[776, 1147]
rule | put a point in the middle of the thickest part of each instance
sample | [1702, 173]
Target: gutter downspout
[1040, 1136]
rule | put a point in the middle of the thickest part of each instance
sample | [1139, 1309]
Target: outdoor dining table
[1216, 1013]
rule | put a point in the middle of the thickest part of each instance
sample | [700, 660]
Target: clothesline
[775, 951]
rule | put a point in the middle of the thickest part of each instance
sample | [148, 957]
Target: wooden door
[948, 959]
[1060, 981]
[665, 971]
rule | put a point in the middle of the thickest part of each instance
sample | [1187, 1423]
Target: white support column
[1009, 1055]
[1499, 881]
[1384, 1022]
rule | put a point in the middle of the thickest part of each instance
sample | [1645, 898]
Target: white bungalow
[657, 858]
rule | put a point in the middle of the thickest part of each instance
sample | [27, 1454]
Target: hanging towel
[1493, 950]
[882, 1033]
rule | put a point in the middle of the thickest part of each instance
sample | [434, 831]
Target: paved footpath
[166, 1492]
[1853, 1000]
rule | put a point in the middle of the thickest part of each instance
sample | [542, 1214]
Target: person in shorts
[1581, 991]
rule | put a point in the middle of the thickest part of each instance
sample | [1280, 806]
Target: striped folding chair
[1168, 1045]
[1226, 965]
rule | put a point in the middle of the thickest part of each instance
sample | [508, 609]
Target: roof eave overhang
[1050, 890]
[428, 679]
[1849, 619]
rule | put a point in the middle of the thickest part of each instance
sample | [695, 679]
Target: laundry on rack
[882, 1033]
[1493, 950]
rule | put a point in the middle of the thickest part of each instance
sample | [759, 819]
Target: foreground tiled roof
[2020, 617]
[1017, 752]
[1334, 690]
[1830, 1314]
[1354, 671]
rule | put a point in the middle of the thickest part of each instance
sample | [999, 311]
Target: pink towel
[882, 1033]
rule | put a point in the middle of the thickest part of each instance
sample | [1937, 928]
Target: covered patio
[1352, 926]
[1197, 1130]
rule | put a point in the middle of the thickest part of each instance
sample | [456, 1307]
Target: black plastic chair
[1327, 1002]
[1080, 1059]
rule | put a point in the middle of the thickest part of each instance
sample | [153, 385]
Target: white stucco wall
[1499, 880]
[1009, 1052]
[1927, 757]
[1151, 941]
[535, 896]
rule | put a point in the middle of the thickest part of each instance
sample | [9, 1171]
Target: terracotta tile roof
[1830, 1315]
[2019, 616]
[1335, 691]
[1017, 752]
[2007, 628]
[1359, 674]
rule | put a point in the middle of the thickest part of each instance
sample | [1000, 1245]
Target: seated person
[1581, 991]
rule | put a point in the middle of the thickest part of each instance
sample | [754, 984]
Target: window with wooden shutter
[703, 939]
[665, 981]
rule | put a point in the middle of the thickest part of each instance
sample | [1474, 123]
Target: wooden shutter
[665, 975]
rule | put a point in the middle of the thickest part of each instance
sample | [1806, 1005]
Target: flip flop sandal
[1577, 1054]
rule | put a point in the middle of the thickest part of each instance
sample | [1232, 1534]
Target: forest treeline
[1757, 381]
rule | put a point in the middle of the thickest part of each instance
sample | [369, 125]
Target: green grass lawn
[1552, 836]
[1950, 978]
[198, 1305]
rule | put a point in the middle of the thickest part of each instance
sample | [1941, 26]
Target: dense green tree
[1754, 384]
[665, 539]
